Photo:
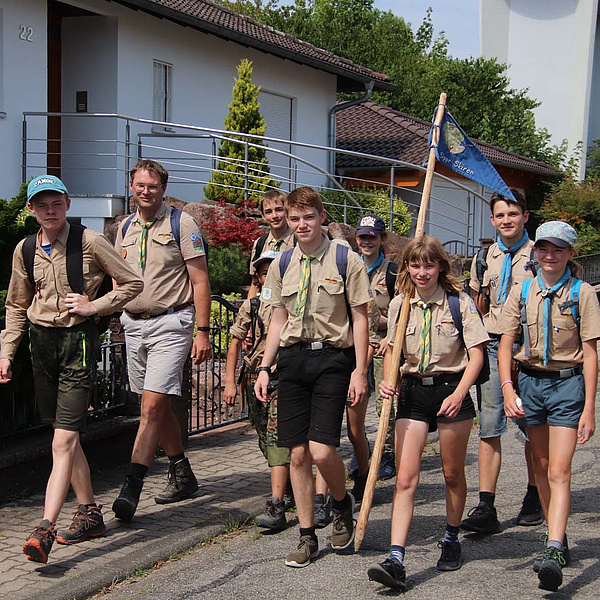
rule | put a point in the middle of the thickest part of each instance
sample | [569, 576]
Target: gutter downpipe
[332, 112]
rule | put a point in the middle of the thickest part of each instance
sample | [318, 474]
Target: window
[161, 108]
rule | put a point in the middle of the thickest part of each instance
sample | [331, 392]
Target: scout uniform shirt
[565, 342]
[165, 275]
[448, 354]
[243, 324]
[45, 305]
[325, 317]
[286, 243]
[379, 291]
[491, 279]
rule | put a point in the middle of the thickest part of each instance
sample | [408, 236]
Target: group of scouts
[318, 331]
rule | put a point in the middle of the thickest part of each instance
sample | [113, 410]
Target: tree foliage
[230, 182]
[479, 93]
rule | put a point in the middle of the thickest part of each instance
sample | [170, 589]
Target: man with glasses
[159, 329]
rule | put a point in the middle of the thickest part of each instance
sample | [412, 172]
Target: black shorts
[423, 402]
[313, 389]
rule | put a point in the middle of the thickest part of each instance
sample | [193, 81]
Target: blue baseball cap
[370, 225]
[559, 233]
[45, 183]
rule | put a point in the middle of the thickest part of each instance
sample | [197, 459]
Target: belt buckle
[317, 345]
[564, 373]
[145, 315]
[427, 381]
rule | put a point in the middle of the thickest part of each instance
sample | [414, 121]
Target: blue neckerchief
[375, 264]
[547, 294]
[507, 265]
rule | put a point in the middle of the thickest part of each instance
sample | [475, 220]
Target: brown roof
[375, 129]
[218, 20]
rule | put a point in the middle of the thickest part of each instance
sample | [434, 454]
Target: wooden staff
[393, 380]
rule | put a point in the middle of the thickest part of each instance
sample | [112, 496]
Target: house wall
[22, 84]
[549, 47]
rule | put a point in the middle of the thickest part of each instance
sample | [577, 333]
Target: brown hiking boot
[39, 543]
[181, 484]
[307, 548]
[87, 523]
[342, 535]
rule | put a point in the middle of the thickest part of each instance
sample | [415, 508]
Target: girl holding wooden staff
[440, 366]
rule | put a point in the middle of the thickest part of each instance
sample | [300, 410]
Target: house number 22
[26, 33]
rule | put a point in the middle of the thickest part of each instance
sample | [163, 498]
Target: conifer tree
[243, 117]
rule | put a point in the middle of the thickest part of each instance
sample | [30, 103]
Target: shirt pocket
[566, 334]
[330, 298]
[129, 249]
[412, 341]
[167, 251]
[289, 292]
[447, 341]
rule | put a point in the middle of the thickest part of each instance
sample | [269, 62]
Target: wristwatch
[264, 368]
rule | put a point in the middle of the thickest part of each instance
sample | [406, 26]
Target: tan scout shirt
[448, 354]
[45, 305]
[243, 324]
[286, 244]
[565, 346]
[167, 283]
[325, 316]
[380, 292]
[491, 279]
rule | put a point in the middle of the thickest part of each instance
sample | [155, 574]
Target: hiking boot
[358, 490]
[127, 500]
[87, 523]
[550, 573]
[531, 511]
[181, 483]
[274, 515]
[38, 544]
[482, 519]
[342, 535]
[389, 573]
[387, 467]
[288, 496]
[537, 563]
[322, 511]
[451, 558]
[308, 548]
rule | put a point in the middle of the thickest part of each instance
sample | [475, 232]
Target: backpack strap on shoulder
[128, 221]
[176, 224]
[260, 245]
[525, 287]
[454, 306]
[532, 264]
[573, 301]
[391, 274]
[341, 261]
[284, 261]
[28, 249]
[74, 257]
[481, 267]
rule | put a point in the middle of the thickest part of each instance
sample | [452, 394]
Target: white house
[161, 60]
[552, 47]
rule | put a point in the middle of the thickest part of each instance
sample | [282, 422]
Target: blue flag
[457, 152]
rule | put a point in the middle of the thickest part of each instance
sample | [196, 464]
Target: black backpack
[74, 268]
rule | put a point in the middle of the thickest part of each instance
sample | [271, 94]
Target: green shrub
[227, 268]
[217, 321]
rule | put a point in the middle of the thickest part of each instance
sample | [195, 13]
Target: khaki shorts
[157, 349]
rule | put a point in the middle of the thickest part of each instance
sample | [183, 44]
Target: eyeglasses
[140, 187]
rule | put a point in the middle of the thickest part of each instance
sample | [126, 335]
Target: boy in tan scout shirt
[508, 264]
[558, 376]
[64, 347]
[322, 363]
[159, 326]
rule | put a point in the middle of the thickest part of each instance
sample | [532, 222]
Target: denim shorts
[492, 418]
[558, 402]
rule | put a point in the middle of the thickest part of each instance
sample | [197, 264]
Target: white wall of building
[549, 47]
[23, 87]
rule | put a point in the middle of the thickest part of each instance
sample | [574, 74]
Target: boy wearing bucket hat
[64, 346]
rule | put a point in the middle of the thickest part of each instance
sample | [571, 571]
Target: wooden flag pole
[367, 500]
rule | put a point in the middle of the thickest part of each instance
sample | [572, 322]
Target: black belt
[435, 379]
[314, 346]
[147, 315]
[562, 374]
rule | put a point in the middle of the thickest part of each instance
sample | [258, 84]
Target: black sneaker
[389, 573]
[39, 543]
[126, 503]
[181, 483]
[550, 573]
[451, 558]
[308, 548]
[482, 519]
[531, 510]
[274, 515]
[322, 511]
[537, 563]
[288, 496]
[342, 535]
[358, 490]
[387, 467]
[87, 523]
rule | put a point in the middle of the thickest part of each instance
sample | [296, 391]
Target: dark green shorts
[64, 372]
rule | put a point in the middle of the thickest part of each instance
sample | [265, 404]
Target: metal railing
[590, 264]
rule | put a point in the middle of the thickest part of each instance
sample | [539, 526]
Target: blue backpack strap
[127, 223]
[284, 261]
[525, 287]
[341, 261]
[575, 300]
[176, 224]
[454, 306]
